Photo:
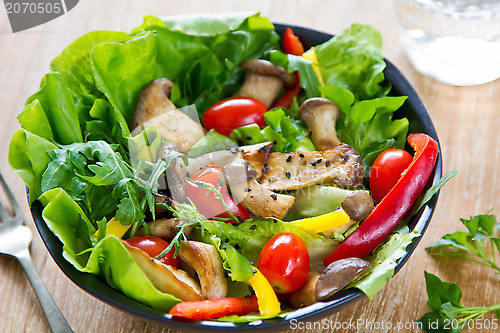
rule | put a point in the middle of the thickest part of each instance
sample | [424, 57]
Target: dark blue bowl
[420, 122]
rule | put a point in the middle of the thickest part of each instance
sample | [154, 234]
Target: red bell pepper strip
[387, 214]
[291, 43]
[286, 100]
[215, 307]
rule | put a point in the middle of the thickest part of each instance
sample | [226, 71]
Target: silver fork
[15, 239]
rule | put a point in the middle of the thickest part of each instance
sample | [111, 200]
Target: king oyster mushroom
[206, 261]
[155, 108]
[320, 116]
[263, 203]
[341, 166]
[264, 80]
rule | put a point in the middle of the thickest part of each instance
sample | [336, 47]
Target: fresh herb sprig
[447, 314]
[472, 244]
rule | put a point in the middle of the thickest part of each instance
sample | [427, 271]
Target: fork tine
[18, 212]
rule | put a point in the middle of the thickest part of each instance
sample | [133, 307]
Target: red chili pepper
[215, 307]
[291, 43]
[387, 214]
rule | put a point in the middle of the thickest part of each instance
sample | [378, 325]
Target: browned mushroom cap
[264, 81]
[320, 116]
[358, 205]
[339, 274]
[267, 68]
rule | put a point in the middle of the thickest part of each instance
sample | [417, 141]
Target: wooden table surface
[467, 121]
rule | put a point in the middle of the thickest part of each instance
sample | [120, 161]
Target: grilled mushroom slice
[264, 81]
[339, 274]
[320, 116]
[341, 166]
[155, 108]
[206, 261]
[252, 195]
[165, 228]
[166, 278]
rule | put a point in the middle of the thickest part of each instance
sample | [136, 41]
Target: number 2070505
[33, 7]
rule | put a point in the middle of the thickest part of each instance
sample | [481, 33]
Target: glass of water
[454, 41]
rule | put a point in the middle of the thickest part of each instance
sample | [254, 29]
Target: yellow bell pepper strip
[115, 228]
[387, 214]
[325, 222]
[269, 306]
[312, 56]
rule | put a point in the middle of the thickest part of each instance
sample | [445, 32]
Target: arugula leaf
[383, 261]
[444, 301]
[472, 245]
[353, 60]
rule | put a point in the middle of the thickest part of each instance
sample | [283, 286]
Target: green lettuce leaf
[367, 125]
[108, 259]
[287, 133]
[353, 60]
[383, 261]
[212, 141]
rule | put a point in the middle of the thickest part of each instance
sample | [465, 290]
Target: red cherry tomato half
[284, 261]
[209, 206]
[154, 246]
[387, 170]
[231, 113]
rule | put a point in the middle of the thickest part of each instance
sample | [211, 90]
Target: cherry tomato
[387, 170]
[284, 261]
[230, 113]
[209, 206]
[291, 43]
[154, 246]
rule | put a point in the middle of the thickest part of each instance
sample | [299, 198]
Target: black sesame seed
[327, 163]
[301, 155]
[226, 275]
[226, 240]
[253, 226]
[313, 163]
[249, 137]
[289, 159]
[319, 161]
[247, 189]
[346, 157]
[274, 196]
[239, 220]
[287, 174]
[255, 271]
[236, 246]
[248, 210]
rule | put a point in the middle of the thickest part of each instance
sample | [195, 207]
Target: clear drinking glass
[453, 41]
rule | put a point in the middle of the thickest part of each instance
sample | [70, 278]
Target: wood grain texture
[467, 121]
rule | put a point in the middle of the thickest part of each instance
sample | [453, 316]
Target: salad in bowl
[210, 168]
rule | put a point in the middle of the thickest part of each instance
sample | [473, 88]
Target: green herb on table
[472, 244]
[447, 314]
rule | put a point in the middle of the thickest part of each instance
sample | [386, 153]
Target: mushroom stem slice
[320, 116]
[305, 295]
[206, 261]
[338, 275]
[166, 278]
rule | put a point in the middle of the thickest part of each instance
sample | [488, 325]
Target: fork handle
[54, 316]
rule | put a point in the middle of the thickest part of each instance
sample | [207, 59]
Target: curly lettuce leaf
[353, 60]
